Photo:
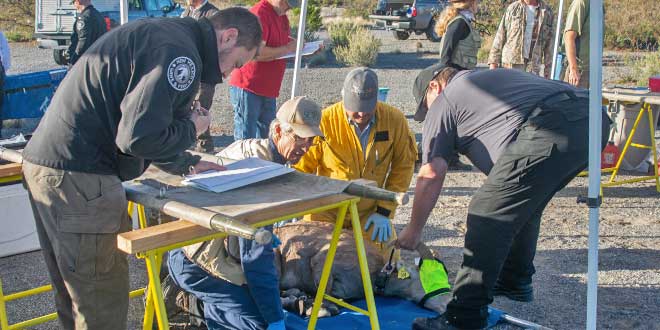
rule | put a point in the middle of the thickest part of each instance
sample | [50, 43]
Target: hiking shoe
[171, 293]
[522, 293]
[457, 165]
[434, 323]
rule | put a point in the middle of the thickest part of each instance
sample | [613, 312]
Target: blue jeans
[252, 113]
[226, 306]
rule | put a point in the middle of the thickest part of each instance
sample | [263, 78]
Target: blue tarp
[28, 95]
[393, 314]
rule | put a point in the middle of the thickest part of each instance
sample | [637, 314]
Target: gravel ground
[629, 278]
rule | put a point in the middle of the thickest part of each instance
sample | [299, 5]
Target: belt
[562, 96]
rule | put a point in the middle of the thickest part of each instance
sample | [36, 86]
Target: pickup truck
[54, 19]
[404, 17]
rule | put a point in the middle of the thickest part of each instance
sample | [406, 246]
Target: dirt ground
[629, 256]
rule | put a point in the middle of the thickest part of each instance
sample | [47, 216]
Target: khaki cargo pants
[78, 216]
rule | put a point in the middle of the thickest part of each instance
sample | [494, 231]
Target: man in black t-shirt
[530, 136]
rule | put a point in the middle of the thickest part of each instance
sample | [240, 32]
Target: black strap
[432, 294]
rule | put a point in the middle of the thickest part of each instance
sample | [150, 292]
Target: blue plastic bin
[28, 95]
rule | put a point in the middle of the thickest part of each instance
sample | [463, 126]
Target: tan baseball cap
[304, 116]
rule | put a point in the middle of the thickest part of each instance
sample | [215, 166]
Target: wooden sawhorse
[151, 243]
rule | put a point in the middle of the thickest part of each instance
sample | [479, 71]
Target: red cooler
[654, 84]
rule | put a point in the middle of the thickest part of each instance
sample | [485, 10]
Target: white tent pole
[557, 39]
[300, 43]
[123, 12]
[595, 134]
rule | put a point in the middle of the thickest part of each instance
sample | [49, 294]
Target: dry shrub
[631, 24]
[361, 50]
[339, 33]
[643, 67]
[484, 51]
[359, 8]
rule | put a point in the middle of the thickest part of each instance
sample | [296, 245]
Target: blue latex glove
[382, 229]
[279, 325]
[276, 241]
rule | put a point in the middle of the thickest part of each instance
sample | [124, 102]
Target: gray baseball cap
[294, 3]
[360, 92]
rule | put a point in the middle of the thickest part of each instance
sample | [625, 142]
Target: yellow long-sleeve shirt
[389, 159]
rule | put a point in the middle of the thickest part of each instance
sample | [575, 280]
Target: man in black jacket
[88, 27]
[126, 104]
[198, 9]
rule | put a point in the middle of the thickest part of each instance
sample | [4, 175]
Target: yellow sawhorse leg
[646, 109]
[4, 321]
[155, 302]
[364, 269]
[153, 260]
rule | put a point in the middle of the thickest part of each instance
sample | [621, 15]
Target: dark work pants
[226, 306]
[504, 215]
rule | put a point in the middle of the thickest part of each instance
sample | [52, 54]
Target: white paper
[18, 139]
[309, 49]
[238, 174]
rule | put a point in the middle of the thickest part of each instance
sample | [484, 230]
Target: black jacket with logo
[89, 26]
[129, 98]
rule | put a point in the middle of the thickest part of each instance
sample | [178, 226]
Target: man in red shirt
[254, 87]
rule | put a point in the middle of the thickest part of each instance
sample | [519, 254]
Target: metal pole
[123, 12]
[295, 90]
[557, 39]
[595, 133]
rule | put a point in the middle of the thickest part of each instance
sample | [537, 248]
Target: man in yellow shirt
[364, 139]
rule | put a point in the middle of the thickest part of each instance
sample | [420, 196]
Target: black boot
[455, 165]
[522, 293]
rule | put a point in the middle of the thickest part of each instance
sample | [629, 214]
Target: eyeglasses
[304, 142]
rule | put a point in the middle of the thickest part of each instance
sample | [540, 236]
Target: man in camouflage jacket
[508, 48]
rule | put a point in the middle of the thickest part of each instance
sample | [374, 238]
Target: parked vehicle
[54, 19]
[404, 17]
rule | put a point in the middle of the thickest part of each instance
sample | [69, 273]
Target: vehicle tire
[401, 35]
[58, 55]
[430, 32]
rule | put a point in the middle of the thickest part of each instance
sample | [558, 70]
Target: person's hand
[200, 117]
[573, 76]
[291, 46]
[493, 66]
[279, 325]
[408, 239]
[203, 166]
[382, 229]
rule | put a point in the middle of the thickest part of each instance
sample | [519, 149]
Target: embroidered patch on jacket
[181, 73]
[382, 136]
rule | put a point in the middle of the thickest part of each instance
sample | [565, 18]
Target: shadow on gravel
[407, 61]
[614, 192]
[610, 259]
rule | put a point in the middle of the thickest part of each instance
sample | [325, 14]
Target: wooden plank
[142, 240]
[10, 170]
[151, 238]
